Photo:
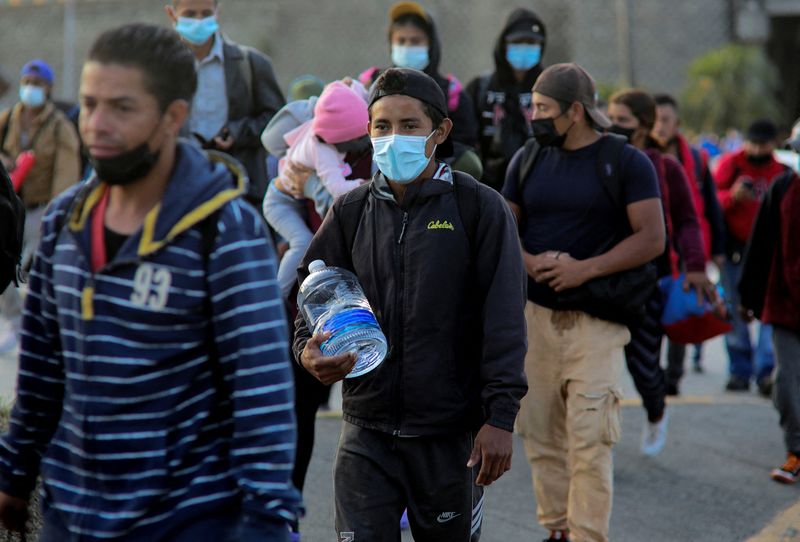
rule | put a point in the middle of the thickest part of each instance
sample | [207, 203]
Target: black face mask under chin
[546, 135]
[127, 167]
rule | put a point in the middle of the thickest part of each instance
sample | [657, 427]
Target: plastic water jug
[331, 299]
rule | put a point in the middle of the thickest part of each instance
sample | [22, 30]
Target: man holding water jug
[437, 256]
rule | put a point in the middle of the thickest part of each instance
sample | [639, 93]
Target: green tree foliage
[729, 88]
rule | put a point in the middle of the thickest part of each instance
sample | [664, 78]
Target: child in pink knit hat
[338, 125]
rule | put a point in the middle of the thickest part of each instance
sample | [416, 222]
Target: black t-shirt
[113, 242]
[565, 207]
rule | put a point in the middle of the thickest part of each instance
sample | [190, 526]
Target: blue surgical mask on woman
[32, 96]
[523, 56]
[197, 31]
[410, 56]
[401, 158]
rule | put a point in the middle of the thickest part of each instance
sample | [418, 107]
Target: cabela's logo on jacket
[440, 225]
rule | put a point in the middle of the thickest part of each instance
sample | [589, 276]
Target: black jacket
[249, 111]
[767, 268]
[452, 310]
[503, 105]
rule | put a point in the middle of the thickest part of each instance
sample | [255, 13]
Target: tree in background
[730, 87]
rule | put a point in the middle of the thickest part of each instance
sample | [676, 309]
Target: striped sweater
[158, 389]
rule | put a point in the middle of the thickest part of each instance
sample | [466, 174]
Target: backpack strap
[50, 118]
[353, 204]
[4, 134]
[208, 234]
[454, 88]
[466, 189]
[367, 77]
[530, 152]
[699, 164]
[482, 90]
[608, 167]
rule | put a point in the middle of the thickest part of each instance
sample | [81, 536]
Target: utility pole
[624, 43]
[68, 71]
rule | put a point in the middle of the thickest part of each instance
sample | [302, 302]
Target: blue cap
[39, 68]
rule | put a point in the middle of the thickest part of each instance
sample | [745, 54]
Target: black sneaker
[672, 389]
[557, 536]
[736, 383]
[765, 386]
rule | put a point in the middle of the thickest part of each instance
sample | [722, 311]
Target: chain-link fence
[649, 42]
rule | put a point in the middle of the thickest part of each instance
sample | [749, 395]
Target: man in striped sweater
[155, 394]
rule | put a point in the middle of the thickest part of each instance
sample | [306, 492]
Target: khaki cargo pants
[570, 417]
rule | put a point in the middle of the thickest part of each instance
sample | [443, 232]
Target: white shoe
[654, 436]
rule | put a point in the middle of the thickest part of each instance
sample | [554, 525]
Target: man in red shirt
[742, 178]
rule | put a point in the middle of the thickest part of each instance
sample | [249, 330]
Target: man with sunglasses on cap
[566, 209]
[438, 257]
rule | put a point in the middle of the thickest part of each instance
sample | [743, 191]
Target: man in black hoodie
[502, 99]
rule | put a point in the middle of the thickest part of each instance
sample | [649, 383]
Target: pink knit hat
[340, 114]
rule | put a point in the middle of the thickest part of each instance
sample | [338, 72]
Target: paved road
[710, 484]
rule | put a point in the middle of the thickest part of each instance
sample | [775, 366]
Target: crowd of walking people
[168, 385]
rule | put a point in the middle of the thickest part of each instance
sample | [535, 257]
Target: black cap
[761, 131]
[570, 83]
[416, 84]
[525, 29]
[410, 82]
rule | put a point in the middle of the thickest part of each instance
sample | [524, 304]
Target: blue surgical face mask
[401, 158]
[523, 56]
[32, 96]
[197, 31]
[410, 56]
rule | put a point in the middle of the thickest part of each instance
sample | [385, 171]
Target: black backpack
[12, 226]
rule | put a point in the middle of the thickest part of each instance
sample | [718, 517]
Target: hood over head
[402, 9]
[520, 21]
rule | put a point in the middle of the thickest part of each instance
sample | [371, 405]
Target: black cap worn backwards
[416, 84]
[409, 82]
